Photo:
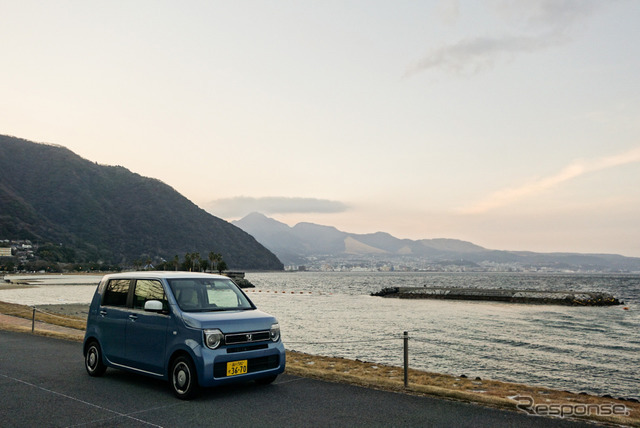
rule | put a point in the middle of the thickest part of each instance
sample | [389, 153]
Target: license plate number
[236, 368]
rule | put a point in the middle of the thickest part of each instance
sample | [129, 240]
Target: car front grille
[256, 336]
[247, 348]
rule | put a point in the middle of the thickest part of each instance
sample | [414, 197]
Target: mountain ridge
[309, 244]
[108, 213]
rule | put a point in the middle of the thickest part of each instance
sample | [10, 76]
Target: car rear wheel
[93, 360]
[183, 378]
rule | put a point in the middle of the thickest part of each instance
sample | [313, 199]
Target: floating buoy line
[253, 290]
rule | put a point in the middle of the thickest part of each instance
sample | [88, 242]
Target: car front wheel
[183, 378]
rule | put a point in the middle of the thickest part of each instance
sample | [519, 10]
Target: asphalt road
[43, 384]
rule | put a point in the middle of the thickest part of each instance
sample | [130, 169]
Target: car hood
[230, 321]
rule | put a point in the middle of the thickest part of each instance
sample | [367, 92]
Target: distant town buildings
[336, 264]
[22, 250]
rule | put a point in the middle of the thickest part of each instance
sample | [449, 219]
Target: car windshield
[208, 294]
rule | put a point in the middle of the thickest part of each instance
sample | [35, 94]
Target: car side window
[147, 289]
[116, 293]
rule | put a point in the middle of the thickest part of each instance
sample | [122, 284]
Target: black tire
[266, 380]
[183, 378]
[93, 360]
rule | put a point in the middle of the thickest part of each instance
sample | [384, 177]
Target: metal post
[406, 358]
[33, 320]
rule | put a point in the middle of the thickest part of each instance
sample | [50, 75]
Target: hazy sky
[512, 124]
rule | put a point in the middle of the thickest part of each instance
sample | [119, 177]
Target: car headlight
[274, 333]
[213, 338]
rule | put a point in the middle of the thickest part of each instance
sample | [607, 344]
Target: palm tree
[213, 258]
[187, 262]
[195, 260]
[221, 266]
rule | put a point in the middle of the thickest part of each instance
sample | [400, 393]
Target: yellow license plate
[236, 367]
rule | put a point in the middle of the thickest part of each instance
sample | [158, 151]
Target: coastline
[485, 392]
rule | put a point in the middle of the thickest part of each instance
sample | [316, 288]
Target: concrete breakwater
[570, 298]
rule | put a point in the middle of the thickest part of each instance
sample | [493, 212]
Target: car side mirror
[153, 306]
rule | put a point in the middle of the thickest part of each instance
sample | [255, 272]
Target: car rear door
[146, 332]
[114, 313]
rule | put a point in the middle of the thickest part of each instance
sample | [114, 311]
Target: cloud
[540, 24]
[546, 14]
[474, 55]
[243, 205]
[508, 196]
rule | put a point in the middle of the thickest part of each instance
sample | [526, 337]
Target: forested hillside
[94, 212]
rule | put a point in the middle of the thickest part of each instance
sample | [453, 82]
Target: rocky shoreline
[567, 298]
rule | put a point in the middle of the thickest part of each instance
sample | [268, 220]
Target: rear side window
[116, 293]
[148, 289]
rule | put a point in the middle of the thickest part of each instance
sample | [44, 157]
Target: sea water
[580, 349]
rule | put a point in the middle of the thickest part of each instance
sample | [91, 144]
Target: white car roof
[163, 274]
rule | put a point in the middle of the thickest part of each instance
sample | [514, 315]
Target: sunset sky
[511, 124]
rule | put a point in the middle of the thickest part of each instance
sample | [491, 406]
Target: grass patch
[26, 312]
[41, 332]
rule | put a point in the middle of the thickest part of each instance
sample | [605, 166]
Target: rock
[244, 283]
[387, 292]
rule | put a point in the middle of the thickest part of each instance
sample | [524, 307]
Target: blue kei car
[192, 329]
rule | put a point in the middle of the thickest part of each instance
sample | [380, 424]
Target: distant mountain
[48, 194]
[308, 243]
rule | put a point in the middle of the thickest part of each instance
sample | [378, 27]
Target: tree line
[192, 262]
[42, 262]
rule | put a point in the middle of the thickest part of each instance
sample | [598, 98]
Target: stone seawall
[570, 298]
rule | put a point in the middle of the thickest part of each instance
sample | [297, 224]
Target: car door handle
[133, 317]
[103, 312]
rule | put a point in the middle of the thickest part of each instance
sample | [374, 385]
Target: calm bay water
[592, 349]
